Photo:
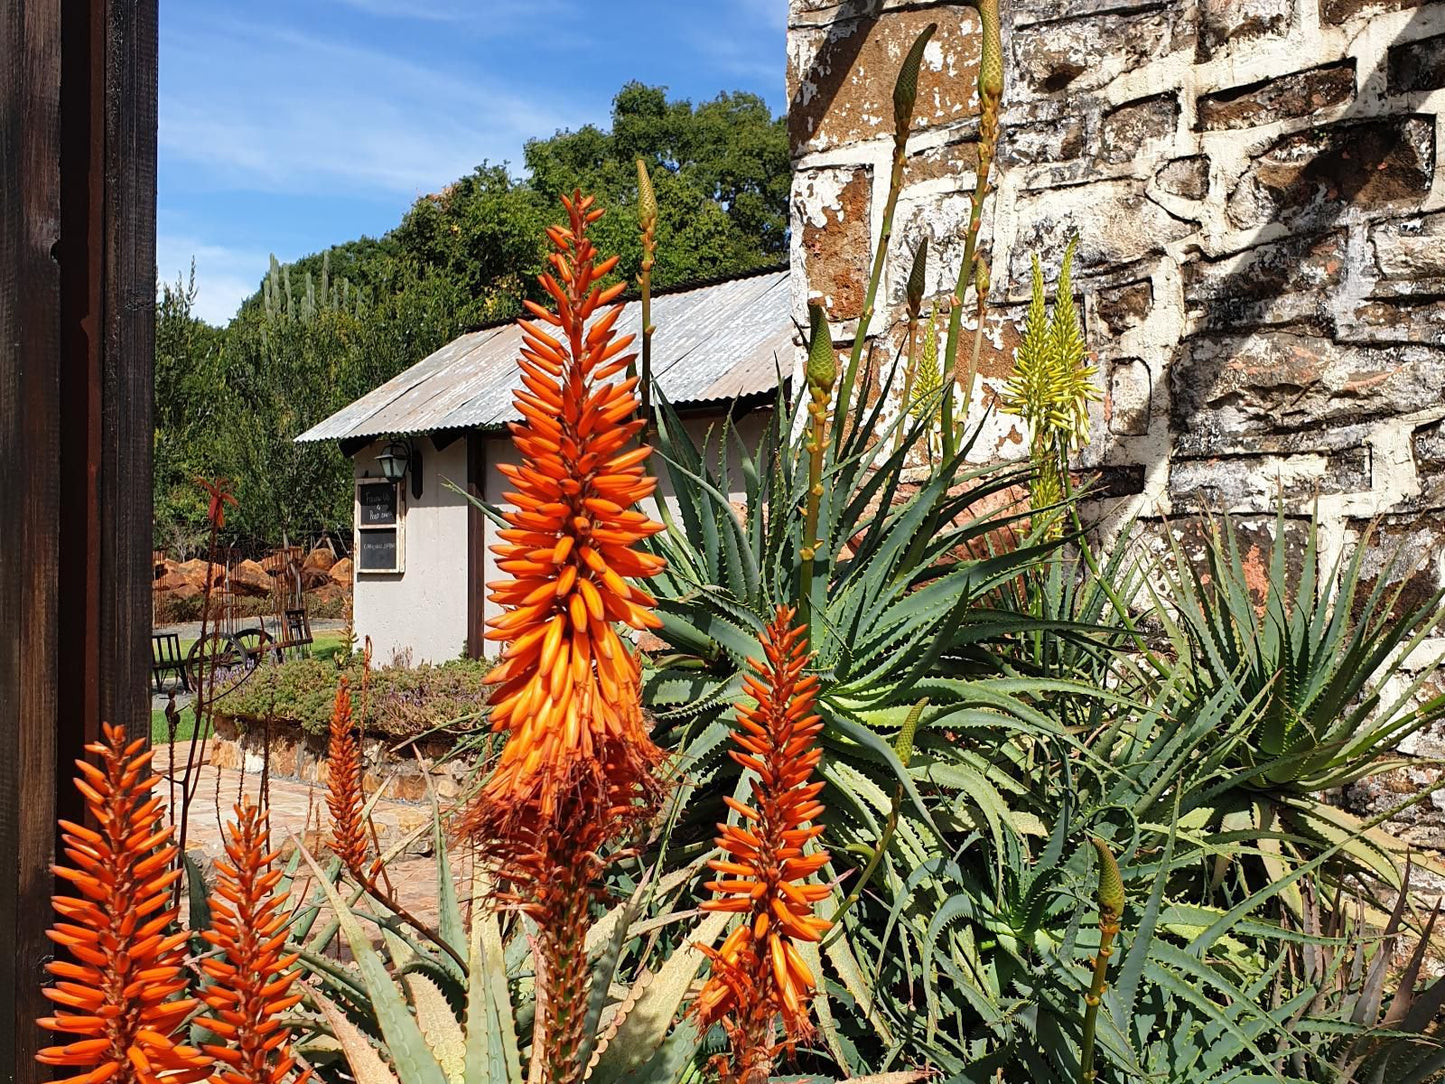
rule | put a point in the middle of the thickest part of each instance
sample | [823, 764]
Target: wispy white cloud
[732, 46]
[289, 112]
[224, 276]
[496, 15]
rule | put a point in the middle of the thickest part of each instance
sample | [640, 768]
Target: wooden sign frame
[396, 525]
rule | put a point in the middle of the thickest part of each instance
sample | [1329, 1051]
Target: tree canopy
[324, 330]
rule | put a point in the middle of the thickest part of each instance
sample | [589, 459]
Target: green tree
[328, 328]
[186, 416]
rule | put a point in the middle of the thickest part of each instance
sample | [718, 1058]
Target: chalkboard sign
[377, 505]
[377, 550]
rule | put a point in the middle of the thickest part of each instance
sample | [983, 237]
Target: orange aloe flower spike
[344, 797]
[758, 974]
[567, 685]
[252, 975]
[578, 772]
[119, 994]
[221, 495]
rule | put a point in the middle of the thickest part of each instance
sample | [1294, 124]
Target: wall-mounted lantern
[399, 457]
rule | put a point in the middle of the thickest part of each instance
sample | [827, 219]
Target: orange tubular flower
[578, 771]
[252, 979]
[344, 797]
[758, 973]
[119, 990]
[568, 693]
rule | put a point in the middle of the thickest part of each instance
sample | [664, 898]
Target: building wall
[499, 450]
[420, 614]
[1262, 258]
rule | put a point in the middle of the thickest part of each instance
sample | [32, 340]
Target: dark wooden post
[77, 327]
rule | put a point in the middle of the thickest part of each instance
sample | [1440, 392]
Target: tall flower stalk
[905, 97]
[821, 373]
[345, 799]
[119, 993]
[1111, 910]
[647, 224]
[251, 974]
[1051, 388]
[973, 271]
[578, 772]
[759, 975]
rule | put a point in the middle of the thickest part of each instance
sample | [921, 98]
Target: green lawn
[184, 730]
[325, 645]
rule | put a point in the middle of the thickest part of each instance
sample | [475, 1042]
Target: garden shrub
[400, 701]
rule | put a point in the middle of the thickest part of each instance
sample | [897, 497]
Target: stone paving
[298, 812]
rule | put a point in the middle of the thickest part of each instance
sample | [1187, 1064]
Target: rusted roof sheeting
[712, 343]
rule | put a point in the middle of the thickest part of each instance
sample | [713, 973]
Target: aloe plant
[404, 1011]
[1324, 661]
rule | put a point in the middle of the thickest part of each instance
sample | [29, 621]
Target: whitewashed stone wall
[1262, 237]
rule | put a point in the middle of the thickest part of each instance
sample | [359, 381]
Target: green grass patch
[325, 645]
[184, 729]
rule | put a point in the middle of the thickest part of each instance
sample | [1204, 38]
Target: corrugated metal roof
[712, 343]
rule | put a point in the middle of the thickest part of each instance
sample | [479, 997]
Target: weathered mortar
[1262, 257]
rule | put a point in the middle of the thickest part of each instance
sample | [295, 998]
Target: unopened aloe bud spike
[1111, 882]
[990, 64]
[905, 90]
[904, 745]
[646, 198]
[822, 361]
[916, 278]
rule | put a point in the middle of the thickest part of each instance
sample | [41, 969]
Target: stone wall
[287, 751]
[1261, 264]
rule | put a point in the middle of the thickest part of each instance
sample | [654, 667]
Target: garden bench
[166, 658]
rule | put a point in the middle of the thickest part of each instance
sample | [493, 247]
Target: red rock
[319, 558]
[193, 571]
[341, 573]
[250, 579]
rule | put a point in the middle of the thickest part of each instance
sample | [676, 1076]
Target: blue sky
[289, 126]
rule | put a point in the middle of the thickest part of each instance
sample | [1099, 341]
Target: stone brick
[840, 77]
[1416, 65]
[1283, 282]
[1187, 178]
[1129, 129]
[1123, 307]
[1428, 446]
[1029, 12]
[1342, 11]
[1289, 96]
[1043, 141]
[1411, 248]
[1055, 56]
[1255, 483]
[832, 206]
[1313, 175]
[1419, 825]
[956, 162]
[944, 221]
[1255, 534]
[1116, 222]
[1396, 320]
[1241, 393]
[1407, 553]
[1231, 22]
[1130, 400]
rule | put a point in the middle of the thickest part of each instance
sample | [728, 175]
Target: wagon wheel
[254, 643]
[217, 664]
